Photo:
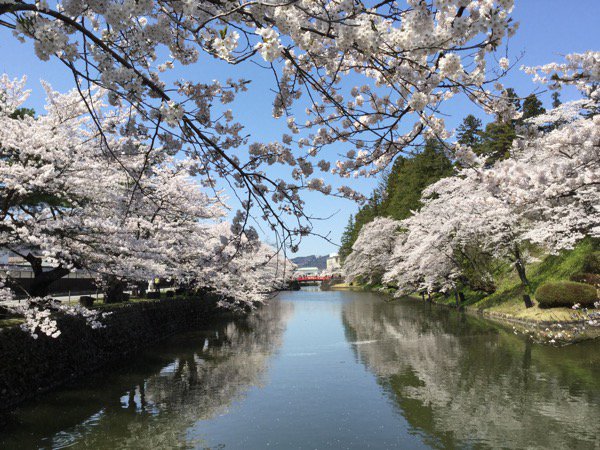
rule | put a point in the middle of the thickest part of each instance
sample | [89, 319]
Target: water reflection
[461, 382]
[154, 402]
[330, 370]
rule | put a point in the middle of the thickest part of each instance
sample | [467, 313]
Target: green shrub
[591, 263]
[587, 278]
[565, 293]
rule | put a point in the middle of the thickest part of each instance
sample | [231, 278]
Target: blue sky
[548, 30]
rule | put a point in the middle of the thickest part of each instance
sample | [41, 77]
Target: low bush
[86, 301]
[152, 295]
[587, 278]
[591, 263]
[565, 293]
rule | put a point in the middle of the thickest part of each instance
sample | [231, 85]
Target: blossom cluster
[406, 58]
[97, 193]
[546, 194]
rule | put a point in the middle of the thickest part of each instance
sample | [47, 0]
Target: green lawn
[508, 297]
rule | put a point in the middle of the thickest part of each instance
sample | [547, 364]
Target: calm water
[330, 370]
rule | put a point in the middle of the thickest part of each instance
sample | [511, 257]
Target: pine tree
[469, 132]
[399, 192]
[514, 98]
[498, 136]
[556, 100]
[413, 177]
[532, 107]
[346, 240]
[497, 141]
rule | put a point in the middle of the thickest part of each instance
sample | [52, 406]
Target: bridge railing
[313, 278]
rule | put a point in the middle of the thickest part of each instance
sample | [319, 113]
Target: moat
[329, 370]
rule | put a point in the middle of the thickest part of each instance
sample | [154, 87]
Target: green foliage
[532, 107]
[348, 239]
[591, 263]
[565, 293]
[409, 177]
[496, 141]
[469, 132]
[514, 97]
[587, 278]
[509, 288]
[556, 99]
[400, 191]
[21, 113]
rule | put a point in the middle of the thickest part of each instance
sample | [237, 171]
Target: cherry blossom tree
[68, 201]
[444, 244]
[545, 194]
[409, 57]
[71, 203]
[553, 175]
[370, 257]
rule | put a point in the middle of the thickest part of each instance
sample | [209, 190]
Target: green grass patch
[8, 323]
[508, 297]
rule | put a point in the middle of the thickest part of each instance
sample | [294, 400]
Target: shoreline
[79, 350]
[549, 332]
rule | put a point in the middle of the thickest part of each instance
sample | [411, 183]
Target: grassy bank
[558, 325]
[555, 325]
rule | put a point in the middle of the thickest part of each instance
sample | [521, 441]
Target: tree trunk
[43, 279]
[114, 290]
[520, 266]
[456, 298]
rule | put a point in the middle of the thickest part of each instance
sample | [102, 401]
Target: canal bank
[555, 326]
[316, 370]
[32, 366]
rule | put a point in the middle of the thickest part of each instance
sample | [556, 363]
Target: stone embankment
[30, 366]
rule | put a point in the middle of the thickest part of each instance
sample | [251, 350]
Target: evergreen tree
[532, 107]
[497, 141]
[399, 192]
[498, 136]
[346, 240]
[514, 98]
[469, 132]
[556, 99]
[21, 113]
[412, 177]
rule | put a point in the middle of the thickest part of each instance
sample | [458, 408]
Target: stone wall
[29, 366]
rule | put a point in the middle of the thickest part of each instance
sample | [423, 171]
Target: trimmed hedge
[565, 293]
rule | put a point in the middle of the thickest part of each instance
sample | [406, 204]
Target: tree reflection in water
[460, 382]
[155, 401]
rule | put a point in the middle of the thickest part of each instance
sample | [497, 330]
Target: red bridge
[302, 278]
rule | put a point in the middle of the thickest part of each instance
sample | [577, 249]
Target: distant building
[333, 264]
[307, 271]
